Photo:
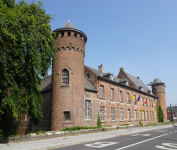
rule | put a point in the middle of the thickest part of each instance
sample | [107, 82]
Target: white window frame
[101, 91]
[112, 94]
[135, 115]
[129, 114]
[128, 98]
[113, 114]
[120, 95]
[102, 113]
[121, 114]
[87, 110]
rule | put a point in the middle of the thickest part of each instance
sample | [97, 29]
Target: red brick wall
[159, 91]
[97, 102]
[69, 98]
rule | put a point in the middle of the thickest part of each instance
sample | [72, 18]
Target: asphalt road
[151, 140]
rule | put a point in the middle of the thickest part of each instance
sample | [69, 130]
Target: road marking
[141, 142]
[100, 144]
[146, 135]
[173, 145]
[135, 134]
[160, 130]
[141, 135]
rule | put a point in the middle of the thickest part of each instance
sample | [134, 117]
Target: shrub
[40, 131]
[77, 128]
[98, 121]
[140, 123]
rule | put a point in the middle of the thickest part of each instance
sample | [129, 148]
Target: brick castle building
[75, 94]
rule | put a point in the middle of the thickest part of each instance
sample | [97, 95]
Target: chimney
[121, 69]
[138, 78]
[100, 68]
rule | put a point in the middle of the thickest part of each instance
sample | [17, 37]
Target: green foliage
[104, 129]
[160, 115]
[77, 128]
[140, 123]
[26, 50]
[40, 131]
[124, 125]
[168, 122]
[98, 121]
[107, 125]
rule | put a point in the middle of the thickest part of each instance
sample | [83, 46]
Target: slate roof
[88, 85]
[46, 84]
[68, 25]
[137, 82]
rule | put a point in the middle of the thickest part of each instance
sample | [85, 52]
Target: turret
[68, 78]
[158, 88]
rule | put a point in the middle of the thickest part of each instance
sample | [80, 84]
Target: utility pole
[172, 114]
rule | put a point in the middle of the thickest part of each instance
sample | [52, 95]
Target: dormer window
[88, 76]
[69, 33]
[62, 34]
[65, 77]
[75, 35]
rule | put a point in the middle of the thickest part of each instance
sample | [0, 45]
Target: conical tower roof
[157, 80]
[69, 25]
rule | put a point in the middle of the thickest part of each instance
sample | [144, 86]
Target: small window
[121, 114]
[102, 113]
[88, 76]
[67, 115]
[101, 91]
[80, 37]
[75, 34]
[69, 33]
[142, 101]
[135, 100]
[65, 77]
[120, 94]
[62, 34]
[87, 109]
[128, 99]
[112, 94]
[129, 114]
[113, 116]
[135, 115]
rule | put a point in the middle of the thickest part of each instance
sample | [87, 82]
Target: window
[113, 116]
[151, 103]
[142, 101]
[88, 76]
[120, 94]
[102, 114]
[101, 91]
[80, 37]
[75, 34]
[129, 114]
[26, 117]
[147, 116]
[87, 109]
[150, 116]
[69, 33]
[112, 94]
[128, 100]
[65, 77]
[135, 115]
[62, 34]
[121, 114]
[135, 100]
[67, 115]
[142, 115]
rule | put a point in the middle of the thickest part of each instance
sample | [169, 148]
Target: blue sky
[138, 35]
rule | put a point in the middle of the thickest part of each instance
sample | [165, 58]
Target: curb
[90, 140]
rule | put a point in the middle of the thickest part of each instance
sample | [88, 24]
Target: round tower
[68, 78]
[158, 88]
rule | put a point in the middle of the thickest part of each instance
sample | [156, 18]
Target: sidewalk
[71, 140]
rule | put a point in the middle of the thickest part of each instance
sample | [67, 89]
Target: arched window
[87, 109]
[65, 77]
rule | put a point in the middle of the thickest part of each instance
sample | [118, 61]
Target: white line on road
[146, 135]
[141, 142]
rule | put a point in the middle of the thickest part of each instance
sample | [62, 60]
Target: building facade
[75, 94]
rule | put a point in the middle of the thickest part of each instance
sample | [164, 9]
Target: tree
[27, 47]
[98, 121]
[158, 119]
